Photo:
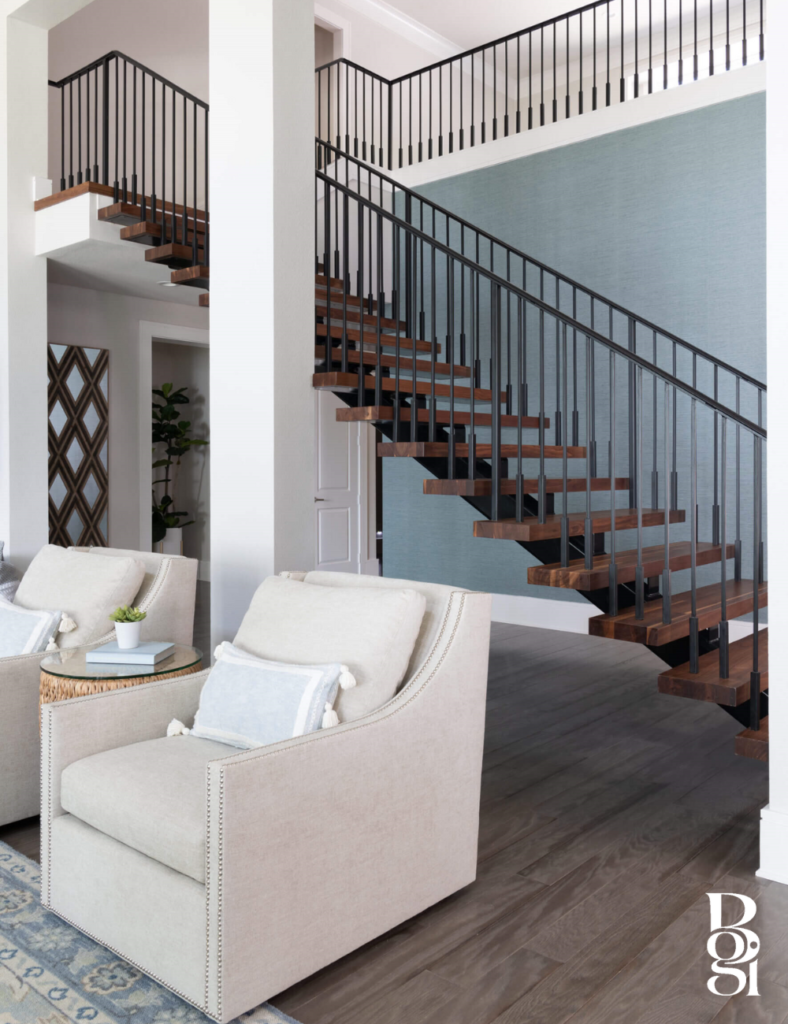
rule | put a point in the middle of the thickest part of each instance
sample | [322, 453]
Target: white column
[262, 297]
[774, 817]
[23, 296]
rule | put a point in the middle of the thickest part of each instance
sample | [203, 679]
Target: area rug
[50, 973]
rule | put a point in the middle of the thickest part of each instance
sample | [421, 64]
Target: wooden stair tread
[335, 312]
[385, 414]
[172, 254]
[205, 299]
[148, 232]
[405, 362]
[335, 296]
[482, 488]
[440, 450]
[128, 214]
[195, 277]
[651, 629]
[575, 576]
[707, 684]
[335, 381]
[530, 529]
[371, 340]
[754, 743]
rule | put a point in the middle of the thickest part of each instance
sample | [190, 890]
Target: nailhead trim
[207, 882]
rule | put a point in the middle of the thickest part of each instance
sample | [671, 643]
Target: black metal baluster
[484, 98]
[564, 456]
[474, 379]
[517, 115]
[715, 510]
[195, 243]
[727, 35]
[346, 288]
[665, 45]
[724, 666]
[62, 139]
[541, 73]
[555, 70]
[506, 88]
[711, 37]
[185, 215]
[654, 470]
[613, 573]
[580, 83]
[666, 594]
[755, 675]
[681, 42]
[79, 129]
[693, 622]
[440, 110]
[153, 149]
[143, 195]
[575, 411]
[737, 543]
[695, 32]
[124, 180]
[434, 339]
[530, 83]
[744, 34]
[473, 108]
[71, 134]
[410, 122]
[520, 413]
[589, 525]
[381, 300]
[495, 386]
[640, 582]
[568, 99]
[450, 357]
[542, 486]
[361, 398]
[347, 108]
[163, 239]
[761, 41]
[636, 90]
[650, 48]
[607, 53]
[559, 432]
[173, 224]
[622, 81]
[116, 183]
[495, 92]
[593, 88]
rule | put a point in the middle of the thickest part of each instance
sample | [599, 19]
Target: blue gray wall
[667, 219]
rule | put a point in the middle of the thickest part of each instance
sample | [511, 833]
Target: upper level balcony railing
[133, 131]
[607, 52]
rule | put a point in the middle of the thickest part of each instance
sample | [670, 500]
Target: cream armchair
[167, 594]
[230, 875]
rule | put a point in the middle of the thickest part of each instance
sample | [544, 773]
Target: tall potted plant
[175, 434]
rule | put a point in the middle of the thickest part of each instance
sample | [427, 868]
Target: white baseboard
[568, 616]
[204, 571]
[774, 846]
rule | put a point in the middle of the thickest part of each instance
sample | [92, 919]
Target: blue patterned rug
[50, 973]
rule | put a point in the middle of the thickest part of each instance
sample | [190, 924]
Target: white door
[342, 491]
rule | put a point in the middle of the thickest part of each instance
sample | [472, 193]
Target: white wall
[373, 44]
[80, 316]
[774, 823]
[188, 366]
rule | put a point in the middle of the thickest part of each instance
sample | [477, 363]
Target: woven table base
[54, 688]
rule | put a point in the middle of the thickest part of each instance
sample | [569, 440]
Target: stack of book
[150, 653]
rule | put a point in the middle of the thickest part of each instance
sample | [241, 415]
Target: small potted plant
[127, 626]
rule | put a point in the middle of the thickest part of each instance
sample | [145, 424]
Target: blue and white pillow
[25, 631]
[248, 702]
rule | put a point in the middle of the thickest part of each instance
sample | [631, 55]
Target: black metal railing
[600, 54]
[459, 358]
[130, 129]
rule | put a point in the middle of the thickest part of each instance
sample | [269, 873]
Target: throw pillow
[372, 631]
[25, 631]
[87, 588]
[248, 702]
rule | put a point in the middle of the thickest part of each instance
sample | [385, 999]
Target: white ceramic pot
[173, 541]
[128, 635]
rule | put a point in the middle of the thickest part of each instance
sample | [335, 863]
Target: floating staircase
[498, 366]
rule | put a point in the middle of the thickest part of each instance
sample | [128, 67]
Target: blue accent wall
[667, 219]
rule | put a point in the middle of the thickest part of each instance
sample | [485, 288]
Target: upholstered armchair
[167, 594]
[230, 875]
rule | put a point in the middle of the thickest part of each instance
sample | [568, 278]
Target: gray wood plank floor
[608, 812]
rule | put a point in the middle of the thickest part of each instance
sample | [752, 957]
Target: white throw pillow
[86, 587]
[248, 702]
[23, 631]
[373, 632]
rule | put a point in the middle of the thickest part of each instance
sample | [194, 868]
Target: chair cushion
[23, 631]
[371, 631]
[150, 796]
[86, 588]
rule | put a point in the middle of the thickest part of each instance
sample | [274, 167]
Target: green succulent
[127, 614]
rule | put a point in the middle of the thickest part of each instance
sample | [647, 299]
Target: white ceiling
[468, 23]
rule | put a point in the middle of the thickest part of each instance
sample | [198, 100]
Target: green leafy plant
[126, 614]
[174, 434]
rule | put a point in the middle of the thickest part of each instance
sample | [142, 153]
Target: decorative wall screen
[78, 455]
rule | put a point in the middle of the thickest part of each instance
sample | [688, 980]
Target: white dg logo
[746, 946]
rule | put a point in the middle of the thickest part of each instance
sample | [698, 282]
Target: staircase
[551, 410]
[502, 378]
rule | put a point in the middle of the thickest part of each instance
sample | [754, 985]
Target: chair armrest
[76, 728]
[318, 844]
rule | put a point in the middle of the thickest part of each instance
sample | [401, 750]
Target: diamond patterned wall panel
[78, 429]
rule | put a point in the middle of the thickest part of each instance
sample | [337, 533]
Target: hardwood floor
[609, 810]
